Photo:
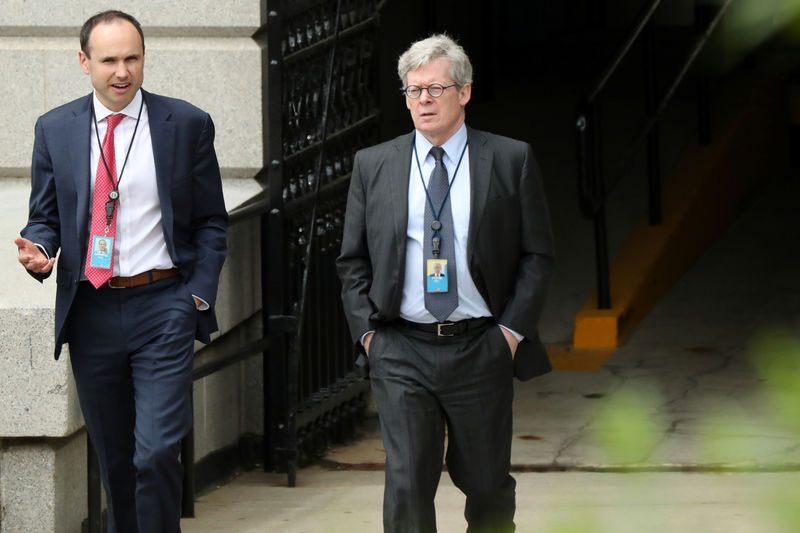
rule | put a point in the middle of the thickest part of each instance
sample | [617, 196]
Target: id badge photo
[101, 251]
[436, 275]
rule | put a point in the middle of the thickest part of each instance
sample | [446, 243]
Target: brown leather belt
[120, 282]
[447, 329]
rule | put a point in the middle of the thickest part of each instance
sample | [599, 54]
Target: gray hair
[434, 47]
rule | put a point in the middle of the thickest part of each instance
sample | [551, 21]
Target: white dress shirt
[470, 302]
[139, 245]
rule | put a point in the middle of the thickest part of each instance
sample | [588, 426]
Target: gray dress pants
[427, 386]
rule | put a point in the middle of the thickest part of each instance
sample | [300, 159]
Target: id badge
[437, 275]
[101, 251]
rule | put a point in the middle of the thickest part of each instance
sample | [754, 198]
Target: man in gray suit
[442, 350]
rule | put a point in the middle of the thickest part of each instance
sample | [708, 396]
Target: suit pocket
[502, 344]
[363, 361]
[373, 344]
[362, 366]
[185, 293]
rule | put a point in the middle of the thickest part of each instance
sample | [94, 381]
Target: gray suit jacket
[509, 249]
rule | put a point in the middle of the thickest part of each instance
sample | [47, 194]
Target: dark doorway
[515, 47]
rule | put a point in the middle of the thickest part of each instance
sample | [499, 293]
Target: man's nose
[121, 70]
[425, 96]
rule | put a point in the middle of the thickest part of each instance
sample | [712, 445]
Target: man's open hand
[32, 258]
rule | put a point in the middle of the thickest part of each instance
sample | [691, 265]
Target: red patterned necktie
[103, 185]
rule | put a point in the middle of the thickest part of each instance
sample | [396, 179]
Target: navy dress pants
[131, 352]
[427, 387]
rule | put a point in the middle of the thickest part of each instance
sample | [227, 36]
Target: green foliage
[726, 438]
[776, 356]
[573, 524]
[782, 504]
[626, 428]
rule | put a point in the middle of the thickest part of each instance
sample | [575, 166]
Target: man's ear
[464, 94]
[84, 61]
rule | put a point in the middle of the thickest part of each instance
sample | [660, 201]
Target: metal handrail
[256, 207]
[662, 105]
[644, 19]
[592, 191]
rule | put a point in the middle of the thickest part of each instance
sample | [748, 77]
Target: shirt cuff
[516, 335]
[43, 250]
[203, 304]
[365, 334]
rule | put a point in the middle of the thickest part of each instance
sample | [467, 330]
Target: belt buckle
[439, 327]
[110, 286]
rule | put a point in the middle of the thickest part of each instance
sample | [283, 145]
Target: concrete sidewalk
[326, 501]
[689, 371]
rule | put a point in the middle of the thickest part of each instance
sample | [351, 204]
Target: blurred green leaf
[626, 427]
[783, 505]
[573, 524]
[776, 355]
[726, 438]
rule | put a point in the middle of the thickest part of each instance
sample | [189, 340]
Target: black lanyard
[113, 195]
[436, 225]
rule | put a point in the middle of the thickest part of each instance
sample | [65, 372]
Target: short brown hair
[104, 18]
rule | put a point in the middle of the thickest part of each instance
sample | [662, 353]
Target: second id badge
[101, 251]
[436, 275]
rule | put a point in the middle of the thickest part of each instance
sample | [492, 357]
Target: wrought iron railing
[591, 184]
[321, 108]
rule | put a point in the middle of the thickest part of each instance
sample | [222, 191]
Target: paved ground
[349, 502]
[686, 375]
[674, 434]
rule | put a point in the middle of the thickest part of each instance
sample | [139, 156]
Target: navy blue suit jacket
[193, 212]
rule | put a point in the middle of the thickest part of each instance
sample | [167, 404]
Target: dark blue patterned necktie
[440, 304]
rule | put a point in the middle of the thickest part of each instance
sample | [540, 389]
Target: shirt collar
[452, 147]
[131, 110]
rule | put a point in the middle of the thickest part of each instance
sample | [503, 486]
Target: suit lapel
[480, 167]
[79, 139]
[400, 169]
[162, 134]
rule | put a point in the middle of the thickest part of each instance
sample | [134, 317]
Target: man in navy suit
[131, 320]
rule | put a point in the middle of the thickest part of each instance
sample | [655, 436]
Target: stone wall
[200, 51]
